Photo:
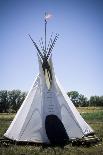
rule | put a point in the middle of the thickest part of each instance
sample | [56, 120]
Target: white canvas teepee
[47, 115]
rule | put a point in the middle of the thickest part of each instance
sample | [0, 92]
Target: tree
[101, 101]
[78, 99]
[83, 101]
[4, 104]
[15, 99]
[94, 101]
[10, 101]
[74, 97]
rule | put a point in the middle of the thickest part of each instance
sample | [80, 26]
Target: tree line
[10, 101]
[80, 100]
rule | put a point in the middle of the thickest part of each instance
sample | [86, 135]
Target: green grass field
[92, 115]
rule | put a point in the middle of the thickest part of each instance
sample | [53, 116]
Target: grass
[90, 109]
[92, 115]
[96, 116]
[6, 117]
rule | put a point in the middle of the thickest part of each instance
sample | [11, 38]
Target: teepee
[47, 115]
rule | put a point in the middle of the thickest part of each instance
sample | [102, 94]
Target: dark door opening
[55, 130]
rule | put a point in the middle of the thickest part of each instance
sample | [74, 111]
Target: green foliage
[83, 101]
[10, 101]
[74, 96]
[80, 100]
[96, 101]
[15, 99]
[4, 105]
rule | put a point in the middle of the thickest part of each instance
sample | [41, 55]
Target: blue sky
[77, 55]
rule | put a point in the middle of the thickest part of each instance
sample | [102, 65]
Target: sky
[77, 55]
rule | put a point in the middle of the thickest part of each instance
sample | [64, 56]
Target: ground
[92, 115]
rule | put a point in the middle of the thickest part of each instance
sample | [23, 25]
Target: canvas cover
[31, 121]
